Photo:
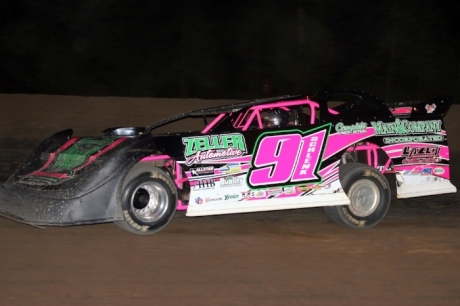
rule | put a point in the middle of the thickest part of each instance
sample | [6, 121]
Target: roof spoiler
[414, 109]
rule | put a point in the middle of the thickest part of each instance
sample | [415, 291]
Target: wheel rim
[149, 202]
[364, 197]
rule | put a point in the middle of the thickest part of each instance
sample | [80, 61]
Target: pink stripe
[329, 170]
[240, 120]
[401, 110]
[68, 143]
[48, 162]
[331, 179]
[243, 159]
[235, 122]
[40, 171]
[155, 157]
[213, 123]
[49, 174]
[395, 151]
[250, 119]
[338, 142]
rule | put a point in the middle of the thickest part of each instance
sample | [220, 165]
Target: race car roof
[238, 106]
[220, 109]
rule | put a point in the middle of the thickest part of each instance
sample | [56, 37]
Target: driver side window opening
[279, 115]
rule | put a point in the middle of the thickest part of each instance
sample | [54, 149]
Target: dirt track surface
[295, 257]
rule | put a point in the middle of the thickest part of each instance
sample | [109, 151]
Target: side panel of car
[263, 170]
[417, 149]
[260, 167]
[269, 170]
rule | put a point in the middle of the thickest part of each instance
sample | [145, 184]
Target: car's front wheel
[369, 194]
[148, 201]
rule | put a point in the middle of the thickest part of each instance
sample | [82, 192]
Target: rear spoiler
[415, 109]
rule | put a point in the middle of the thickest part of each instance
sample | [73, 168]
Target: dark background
[229, 49]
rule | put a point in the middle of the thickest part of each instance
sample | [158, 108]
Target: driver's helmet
[275, 118]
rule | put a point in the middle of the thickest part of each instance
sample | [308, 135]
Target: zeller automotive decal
[288, 157]
[201, 149]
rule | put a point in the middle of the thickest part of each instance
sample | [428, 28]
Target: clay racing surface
[295, 257]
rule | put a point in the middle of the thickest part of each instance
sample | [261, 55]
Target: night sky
[211, 49]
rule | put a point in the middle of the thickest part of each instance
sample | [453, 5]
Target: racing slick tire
[148, 201]
[369, 194]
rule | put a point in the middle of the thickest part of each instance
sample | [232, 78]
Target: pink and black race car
[327, 149]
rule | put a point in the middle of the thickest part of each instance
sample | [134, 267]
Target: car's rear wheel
[369, 194]
[148, 201]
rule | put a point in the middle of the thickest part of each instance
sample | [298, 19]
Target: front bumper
[25, 205]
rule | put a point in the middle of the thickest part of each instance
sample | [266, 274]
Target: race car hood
[72, 180]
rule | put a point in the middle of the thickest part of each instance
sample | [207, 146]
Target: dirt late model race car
[328, 149]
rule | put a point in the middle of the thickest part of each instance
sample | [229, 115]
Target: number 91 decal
[288, 157]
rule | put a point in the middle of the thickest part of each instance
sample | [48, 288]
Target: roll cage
[300, 112]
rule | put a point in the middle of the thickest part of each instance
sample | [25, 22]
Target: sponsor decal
[406, 127]
[231, 168]
[381, 168]
[421, 160]
[198, 200]
[405, 110]
[245, 195]
[411, 172]
[274, 192]
[202, 171]
[304, 188]
[430, 108]
[205, 184]
[438, 170]
[289, 190]
[426, 138]
[318, 187]
[351, 129]
[231, 181]
[200, 149]
[421, 154]
[426, 171]
[258, 194]
[213, 199]
[231, 197]
[421, 151]
[436, 159]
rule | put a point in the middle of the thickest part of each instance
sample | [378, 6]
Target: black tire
[369, 194]
[148, 201]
